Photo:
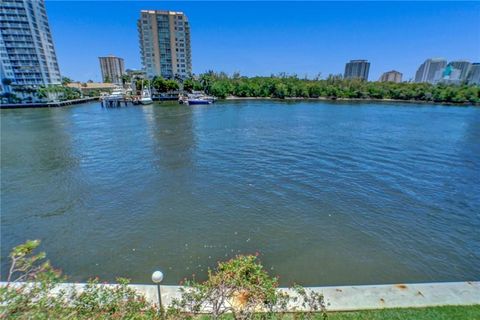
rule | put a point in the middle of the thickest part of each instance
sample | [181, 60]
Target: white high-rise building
[473, 76]
[463, 66]
[165, 44]
[27, 53]
[430, 71]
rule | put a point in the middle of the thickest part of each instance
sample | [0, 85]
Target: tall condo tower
[463, 66]
[391, 76]
[357, 69]
[431, 70]
[113, 68]
[27, 53]
[165, 44]
[473, 76]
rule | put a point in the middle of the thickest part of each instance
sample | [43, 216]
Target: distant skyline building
[451, 75]
[391, 76]
[463, 66]
[431, 70]
[27, 52]
[473, 76]
[357, 69]
[165, 44]
[113, 68]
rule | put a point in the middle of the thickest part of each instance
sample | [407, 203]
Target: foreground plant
[41, 297]
[239, 288]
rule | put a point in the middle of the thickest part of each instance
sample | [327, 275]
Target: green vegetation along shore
[281, 86]
[334, 87]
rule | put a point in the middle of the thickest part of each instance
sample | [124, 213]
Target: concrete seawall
[46, 104]
[350, 298]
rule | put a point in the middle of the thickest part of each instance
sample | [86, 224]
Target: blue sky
[261, 38]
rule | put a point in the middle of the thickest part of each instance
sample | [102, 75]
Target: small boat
[146, 97]
[198, 101]
[117, 94]
[113, 99]
[198, 97]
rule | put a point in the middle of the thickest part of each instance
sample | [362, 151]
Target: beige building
[165, 44]
[113, 68]
[89, 87]
[391, 76]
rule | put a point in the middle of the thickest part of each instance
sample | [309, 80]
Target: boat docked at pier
[146, 97]
[115, 98]
[117, 94]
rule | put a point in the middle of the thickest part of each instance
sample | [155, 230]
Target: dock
[46, 104]
[115, 103]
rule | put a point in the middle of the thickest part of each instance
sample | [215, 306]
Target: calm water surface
[327, 193]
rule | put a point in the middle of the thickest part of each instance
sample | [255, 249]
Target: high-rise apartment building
[430, 71]
[165, 43]
[451, 75]
[391, 76]
[461, 65]
[113, 68]
[473, 76]
[27, 53]
[357, 69]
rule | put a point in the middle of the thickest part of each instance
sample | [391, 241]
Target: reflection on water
[327, 193]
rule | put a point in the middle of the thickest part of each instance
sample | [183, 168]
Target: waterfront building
[473, 76]
[391, 76]
[463, 66]
[113, 68]
[431, 70]
[89, 87]
[27, 52]
[357, 69]
[165, 44]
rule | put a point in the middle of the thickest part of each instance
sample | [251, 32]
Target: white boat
[114, 99]
[117, 94]
[146, 97]
[198, 97]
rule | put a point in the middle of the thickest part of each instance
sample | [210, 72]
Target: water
[327, 193]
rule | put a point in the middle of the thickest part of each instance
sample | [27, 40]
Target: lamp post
[157, 277]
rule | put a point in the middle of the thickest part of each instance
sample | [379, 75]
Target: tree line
[334, 87]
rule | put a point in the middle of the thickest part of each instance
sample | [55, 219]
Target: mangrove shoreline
[369, 100]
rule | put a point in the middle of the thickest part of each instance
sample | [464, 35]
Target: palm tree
[66, 80]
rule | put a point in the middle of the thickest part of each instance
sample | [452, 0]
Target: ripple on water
[328, 193]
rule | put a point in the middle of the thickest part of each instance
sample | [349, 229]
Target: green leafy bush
[239, 288]
[41, 297]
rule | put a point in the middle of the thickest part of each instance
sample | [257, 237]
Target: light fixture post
[157, 277]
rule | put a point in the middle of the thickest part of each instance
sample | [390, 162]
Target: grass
[433, 313]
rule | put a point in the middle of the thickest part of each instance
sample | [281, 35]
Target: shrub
[240, 287]
[42, 297]
[243, 288]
